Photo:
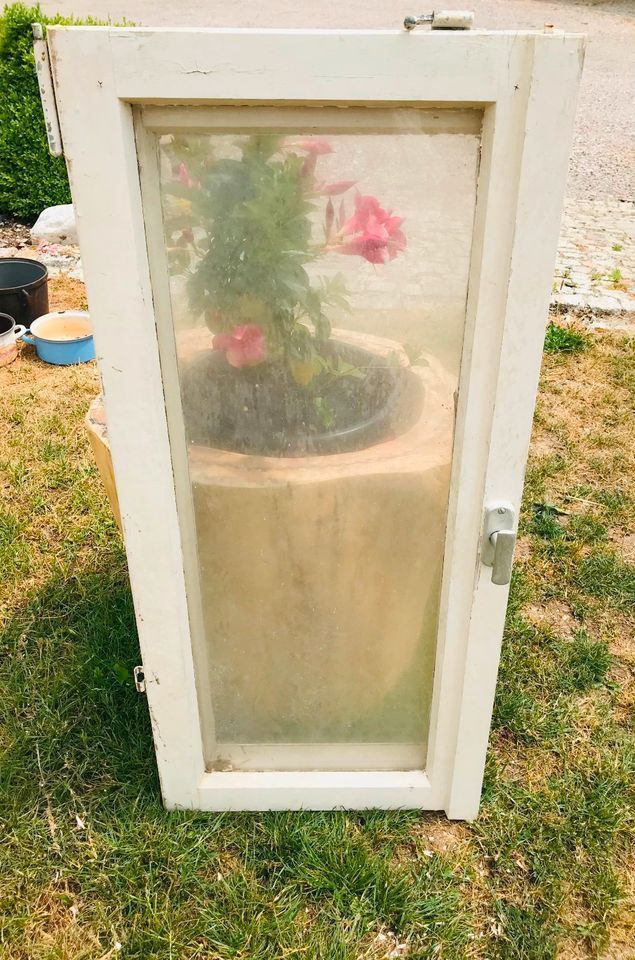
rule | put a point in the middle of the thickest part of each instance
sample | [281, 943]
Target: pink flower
[50, 248]
[244, 346]
[313, 146]
[184, 176]
[372, 232]
[333, 189]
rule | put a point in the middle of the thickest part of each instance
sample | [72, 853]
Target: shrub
[30, 178]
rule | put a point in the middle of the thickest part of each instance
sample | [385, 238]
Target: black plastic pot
[24, 291]
[261, 411]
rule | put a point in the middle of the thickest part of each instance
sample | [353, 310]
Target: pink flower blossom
[333, 189]
[244, 346]
[372, 232]
[50, 248]
[313, 146]
[184, 177]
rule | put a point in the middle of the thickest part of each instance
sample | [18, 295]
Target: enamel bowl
[53, 339]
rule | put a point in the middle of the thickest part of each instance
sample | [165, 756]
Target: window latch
[499, 540]
[442, 20]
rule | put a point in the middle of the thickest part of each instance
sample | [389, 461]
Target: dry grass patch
[47, 475]
[53, 929]
[553, 615]
[625, 544]
[67, 293]
[586, 408]
[441, 835]
[622, 937]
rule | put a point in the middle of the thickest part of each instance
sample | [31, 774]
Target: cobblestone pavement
[602, 158]
[595, 268]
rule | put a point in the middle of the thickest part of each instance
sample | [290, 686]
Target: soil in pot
[261, 410]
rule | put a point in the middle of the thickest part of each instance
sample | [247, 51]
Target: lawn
[94, 868]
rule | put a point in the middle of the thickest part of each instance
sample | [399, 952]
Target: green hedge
[30, 178]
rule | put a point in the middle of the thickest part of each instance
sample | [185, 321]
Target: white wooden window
[316, 623]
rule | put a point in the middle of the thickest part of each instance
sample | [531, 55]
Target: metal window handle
[503, 542]
[499, 540]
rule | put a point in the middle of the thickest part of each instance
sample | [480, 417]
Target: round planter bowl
[62, 351]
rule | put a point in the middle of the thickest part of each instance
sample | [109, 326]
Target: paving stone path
[595, 268]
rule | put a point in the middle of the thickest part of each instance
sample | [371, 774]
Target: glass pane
[318, 267]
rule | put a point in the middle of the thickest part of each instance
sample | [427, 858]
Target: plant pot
[262, 410]
[23, 289]
[320, 574]
[10, 332]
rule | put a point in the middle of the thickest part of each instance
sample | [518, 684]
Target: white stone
[567, 300]
[56, 225]
[605, 304]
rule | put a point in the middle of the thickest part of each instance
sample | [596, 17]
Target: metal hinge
[47, 91]
[139, 679]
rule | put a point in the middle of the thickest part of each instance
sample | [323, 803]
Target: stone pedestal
[319, 578]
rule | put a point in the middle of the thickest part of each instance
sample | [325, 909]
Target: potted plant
[275, 379]
[319, 457]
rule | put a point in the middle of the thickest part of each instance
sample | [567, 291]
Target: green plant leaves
[254, 212]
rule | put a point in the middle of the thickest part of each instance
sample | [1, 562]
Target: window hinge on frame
[47, 91]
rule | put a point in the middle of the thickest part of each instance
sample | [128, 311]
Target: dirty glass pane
[318, 272]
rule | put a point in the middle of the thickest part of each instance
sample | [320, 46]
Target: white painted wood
[99, 137]
[151, 198]
[225, 65]
[312, 119]
[541, 176]
[526, 85]
[325, 790]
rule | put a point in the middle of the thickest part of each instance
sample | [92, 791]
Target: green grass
[560, 339]
[603, 574]
[91, 859]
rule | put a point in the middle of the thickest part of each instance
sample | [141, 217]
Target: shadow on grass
[73, 720]
[86, 828]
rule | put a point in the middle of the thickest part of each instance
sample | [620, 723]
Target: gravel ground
[13, 234]
[603, 160]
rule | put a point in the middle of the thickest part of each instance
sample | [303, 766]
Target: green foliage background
[30, 178]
